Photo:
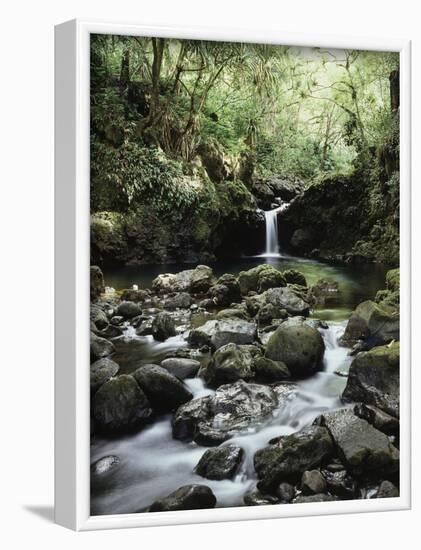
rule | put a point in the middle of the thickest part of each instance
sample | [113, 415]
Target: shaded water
[356, 283]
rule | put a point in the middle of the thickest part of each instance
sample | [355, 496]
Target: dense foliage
[179, 124]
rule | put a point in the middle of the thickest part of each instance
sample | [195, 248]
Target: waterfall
[272, 238]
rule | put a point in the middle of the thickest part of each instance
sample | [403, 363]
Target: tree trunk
[394, 90]
[125, 69]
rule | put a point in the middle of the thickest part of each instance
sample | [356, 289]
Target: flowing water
[153, 464]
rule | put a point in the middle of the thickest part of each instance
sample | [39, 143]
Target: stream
[153, 464]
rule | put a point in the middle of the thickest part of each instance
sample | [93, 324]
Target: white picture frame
[72, 430]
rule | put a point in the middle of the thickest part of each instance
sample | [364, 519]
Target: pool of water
[356, 283]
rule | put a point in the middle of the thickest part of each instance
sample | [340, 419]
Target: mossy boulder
[363, 449]
[288, 298]
[228, 364]
[292, 276]
[101, 371]
[299, 346]
[268, 371]
[374, 378]
[377, 324]
[260, 278]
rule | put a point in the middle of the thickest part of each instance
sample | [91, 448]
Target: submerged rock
[233, 408]
[181, 367]
[363, 449]
[220, 463]
[291, 455]
[101, 371]
[120, 406]
[100, 347]
[188, 497]
[299, 347]
[104, 465]
[218, 333]
[374, 379]
[164, 391]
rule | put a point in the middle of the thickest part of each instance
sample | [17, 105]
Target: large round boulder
[164, 391]
[128, 310]
[299, 347]
[120, 406]
[260, 278]
[188, 497]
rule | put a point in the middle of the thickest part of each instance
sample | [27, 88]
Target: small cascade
[272, 237]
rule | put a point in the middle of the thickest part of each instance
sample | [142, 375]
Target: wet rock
[120, 406]
[299, 347]
[220, 463]
[100, 347]
[387, 490]
[98, 317]
[267, 371]
[322, 497]
[181, 367]
[164, 391]
[286, 298]
[291, 455]
[340, 483]
[233, 408]
[163, 327]
[374, 379]
[195, 280]
[181, 300]
[260, 278]
[188, 497]
[128, 310]
[377, 324]
[312, 483]
[363, 449]
[382, 421]
[285, 492]
[111, 331]
[135, 295]
[228, 364]
[101, 371]
[237, 313]
[104, 465]
[256, 498]
[117, 320]
[269, 312]
[226, 291]
[144, 328]
[292, 276]
[219, 333]
[97, 283]
[325, 292]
